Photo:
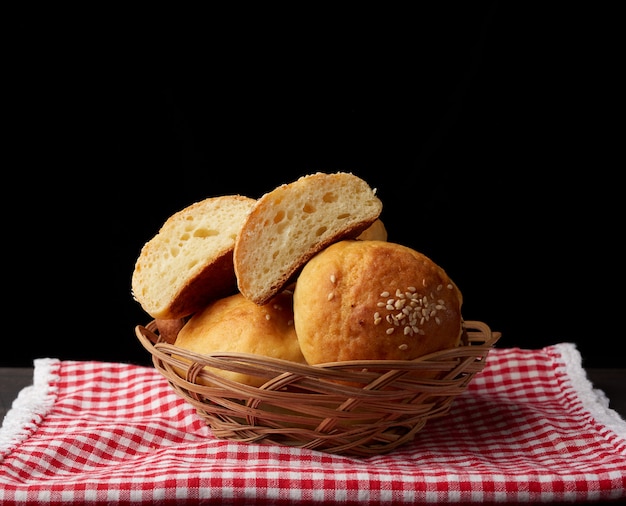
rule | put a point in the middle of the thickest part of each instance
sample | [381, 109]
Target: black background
[492, 132]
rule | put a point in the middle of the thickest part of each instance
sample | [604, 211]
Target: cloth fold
[530, 428]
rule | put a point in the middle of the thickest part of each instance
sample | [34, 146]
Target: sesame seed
[267, 316]
[409, 309]
[330, 296]
[403, 347]
[333, 279]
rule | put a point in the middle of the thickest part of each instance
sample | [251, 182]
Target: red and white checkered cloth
[530, 428]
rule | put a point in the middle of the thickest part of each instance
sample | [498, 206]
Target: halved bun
[290, 224]
[190, 260]
[374, 300]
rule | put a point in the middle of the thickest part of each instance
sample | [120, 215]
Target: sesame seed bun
[236, 324]
[374, 300]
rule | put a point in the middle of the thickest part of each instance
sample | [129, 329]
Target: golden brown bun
[291, 223]
[369, 300]
[236, 324]
[168, 329]
[190, 260]
[375, 232]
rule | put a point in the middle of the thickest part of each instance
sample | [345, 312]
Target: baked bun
[236, 324]
[290, 224]
[374, 300]
[168, 329]
[375, 232]
[190, 260]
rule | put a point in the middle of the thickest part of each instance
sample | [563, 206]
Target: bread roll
[190, 260]
[168, 329]
[288, 225]
[236, 324]
[375, 232]
[368, 300]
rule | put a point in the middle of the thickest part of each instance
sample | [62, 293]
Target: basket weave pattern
[359, 408]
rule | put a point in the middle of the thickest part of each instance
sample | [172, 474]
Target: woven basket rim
[157, 344]
[358, 407]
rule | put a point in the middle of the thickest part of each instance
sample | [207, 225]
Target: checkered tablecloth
[530, 428]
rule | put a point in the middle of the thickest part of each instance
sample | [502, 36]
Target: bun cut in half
[189, 262]
[290, 224]
[374, 300]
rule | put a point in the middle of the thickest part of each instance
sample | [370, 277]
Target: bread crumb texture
[189, 245]
[294, 221]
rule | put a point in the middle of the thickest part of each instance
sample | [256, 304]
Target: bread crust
[168, 329]
[236, 324]
[293, 222]
[375, 232]
[374, 300]
[215, 280]
[189, 262]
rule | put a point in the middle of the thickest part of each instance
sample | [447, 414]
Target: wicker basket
[358, 408]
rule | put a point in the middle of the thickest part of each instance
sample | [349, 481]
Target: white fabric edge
[30, 406]
[594, 400]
